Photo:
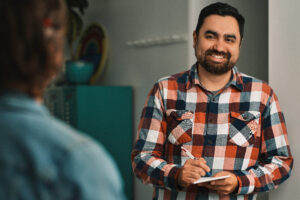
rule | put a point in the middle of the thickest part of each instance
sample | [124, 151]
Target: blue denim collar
[18, 101]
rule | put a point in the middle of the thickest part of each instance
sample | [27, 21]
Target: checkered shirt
[240, 129]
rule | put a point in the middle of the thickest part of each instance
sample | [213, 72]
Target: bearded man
[212, 119]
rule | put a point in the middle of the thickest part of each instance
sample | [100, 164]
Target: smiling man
[229, 123]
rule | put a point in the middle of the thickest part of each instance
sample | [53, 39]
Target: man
[229, 121]
[40, 157]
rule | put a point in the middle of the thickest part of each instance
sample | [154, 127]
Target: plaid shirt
[240, 129]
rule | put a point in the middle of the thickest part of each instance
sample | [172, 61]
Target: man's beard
[213, 67]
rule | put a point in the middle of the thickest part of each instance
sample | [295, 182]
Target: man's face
[217, 47]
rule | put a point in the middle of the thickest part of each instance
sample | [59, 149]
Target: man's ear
[195, 39]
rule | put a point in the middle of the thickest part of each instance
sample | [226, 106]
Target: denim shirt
[43, 158]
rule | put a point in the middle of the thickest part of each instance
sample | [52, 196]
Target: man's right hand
[191, 171]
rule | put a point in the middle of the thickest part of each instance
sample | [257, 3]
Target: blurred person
[231, 122]
[41, 157]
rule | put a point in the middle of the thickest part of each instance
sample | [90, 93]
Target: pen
[190, 155]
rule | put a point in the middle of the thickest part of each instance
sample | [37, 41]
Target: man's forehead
[220, 24]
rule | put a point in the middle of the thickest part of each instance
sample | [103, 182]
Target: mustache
[219, 53]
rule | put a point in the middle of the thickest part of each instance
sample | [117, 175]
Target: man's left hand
[224, 186]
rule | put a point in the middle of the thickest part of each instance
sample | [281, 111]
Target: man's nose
[219, 45]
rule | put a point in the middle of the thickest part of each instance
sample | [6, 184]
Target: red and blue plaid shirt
[239, 129]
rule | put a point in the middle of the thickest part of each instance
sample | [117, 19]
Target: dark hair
[29, 36]
[222, 9]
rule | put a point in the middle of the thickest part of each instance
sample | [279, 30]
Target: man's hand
[191, 171]
[224, 186]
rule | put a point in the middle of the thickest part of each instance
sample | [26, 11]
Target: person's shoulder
[174, 80]
[57, 133]
[78, 143]
[63, 156]
[53, 139]
[255, 84]
[176, 77]
[90, 166]
[84, 162]
[66, 133]
[248, 79]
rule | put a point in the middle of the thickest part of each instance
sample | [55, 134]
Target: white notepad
[208, 179]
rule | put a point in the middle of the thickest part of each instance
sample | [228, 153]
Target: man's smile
[217, 58]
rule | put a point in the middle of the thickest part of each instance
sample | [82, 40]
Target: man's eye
[209, 36]
[230, 40]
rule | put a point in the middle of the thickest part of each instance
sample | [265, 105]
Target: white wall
[140, 67]
[284, 71]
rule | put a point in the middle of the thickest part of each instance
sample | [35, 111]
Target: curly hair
[32, 32]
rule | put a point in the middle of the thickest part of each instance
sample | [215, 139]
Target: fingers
[191, 171]
[200, 163]
[226, 181]
[225, 186]
[221, 182]
[198, 171]
[187, 176]
[198, 166]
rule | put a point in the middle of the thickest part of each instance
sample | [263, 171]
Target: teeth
[216, 56]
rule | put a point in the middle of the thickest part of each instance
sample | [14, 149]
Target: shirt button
[210, 142]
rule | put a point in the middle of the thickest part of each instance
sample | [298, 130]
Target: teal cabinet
[104, 113]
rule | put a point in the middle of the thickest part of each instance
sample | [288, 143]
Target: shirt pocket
[180, 126]
[243, 127]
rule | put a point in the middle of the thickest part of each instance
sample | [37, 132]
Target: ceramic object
[79, 72]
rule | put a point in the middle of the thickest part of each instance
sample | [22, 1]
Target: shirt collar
[235, 80]
[18, 101]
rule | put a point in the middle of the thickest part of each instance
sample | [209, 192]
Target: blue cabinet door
[105, 113]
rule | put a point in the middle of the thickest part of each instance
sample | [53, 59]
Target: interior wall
[140, 67]
[284, 71]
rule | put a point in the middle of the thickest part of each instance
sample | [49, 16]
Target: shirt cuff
[177, 186]
[246, 184]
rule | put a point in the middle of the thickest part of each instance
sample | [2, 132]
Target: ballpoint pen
[190, 155]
